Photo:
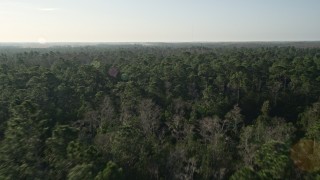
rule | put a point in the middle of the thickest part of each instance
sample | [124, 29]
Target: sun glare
[42, 40]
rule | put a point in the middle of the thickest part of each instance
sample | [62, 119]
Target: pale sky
[159, 20]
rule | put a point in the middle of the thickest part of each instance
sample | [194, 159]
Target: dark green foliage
[272, 161]
[158, 112]
[110, 172]
[310, 121]
[82, 171]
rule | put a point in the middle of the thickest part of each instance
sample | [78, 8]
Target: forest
[166, 112]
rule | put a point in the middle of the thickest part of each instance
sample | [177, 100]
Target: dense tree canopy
[159, 112]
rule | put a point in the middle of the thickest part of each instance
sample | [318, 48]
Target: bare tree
[150, 116]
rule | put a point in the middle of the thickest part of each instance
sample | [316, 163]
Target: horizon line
[101, 42]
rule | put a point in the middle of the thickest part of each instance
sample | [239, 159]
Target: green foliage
[22, 148]
[265, 109]
[158, 112]
[244, 174]
[310, 120]
[110, 172]
[56, 151]
[82, 171]
[272, 161]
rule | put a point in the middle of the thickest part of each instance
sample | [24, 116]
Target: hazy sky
[158, 20]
